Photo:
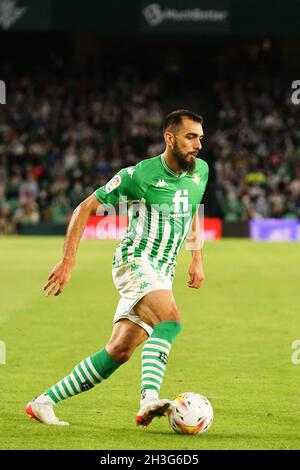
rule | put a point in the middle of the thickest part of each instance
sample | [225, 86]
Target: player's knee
[173, 314]
[124, 356]
[167, 313]
[120, 353]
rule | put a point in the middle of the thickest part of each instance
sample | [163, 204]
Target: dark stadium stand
[72, 121]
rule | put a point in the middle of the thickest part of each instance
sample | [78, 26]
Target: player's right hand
[58, 278]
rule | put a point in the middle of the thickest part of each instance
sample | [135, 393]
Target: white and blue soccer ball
[191, 413]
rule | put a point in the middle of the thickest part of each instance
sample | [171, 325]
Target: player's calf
[155, 355]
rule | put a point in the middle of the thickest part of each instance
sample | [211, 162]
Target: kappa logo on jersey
[113, 183]
[181, 200]
[161, 184]
[130, 170]
[197, 179]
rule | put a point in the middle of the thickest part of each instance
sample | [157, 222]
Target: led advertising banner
[152, 16]
[113, 228]
[278, 230]
[191, 16]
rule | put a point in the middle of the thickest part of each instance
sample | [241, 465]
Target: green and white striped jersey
[161, 206]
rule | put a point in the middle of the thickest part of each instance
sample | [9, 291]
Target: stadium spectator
[57, 145]
[60, 140]
[255, 149]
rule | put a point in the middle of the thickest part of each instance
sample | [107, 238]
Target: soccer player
[164, 193]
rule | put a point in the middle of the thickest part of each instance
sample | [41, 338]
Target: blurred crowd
[60, 141]
[256, 149]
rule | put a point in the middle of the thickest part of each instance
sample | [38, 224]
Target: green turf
[235, 348]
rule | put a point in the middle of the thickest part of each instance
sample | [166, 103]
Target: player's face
[187, 144]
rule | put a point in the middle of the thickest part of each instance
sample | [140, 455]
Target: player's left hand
[58, 278]
[196, 273]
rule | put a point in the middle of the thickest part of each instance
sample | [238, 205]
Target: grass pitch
[235, 348]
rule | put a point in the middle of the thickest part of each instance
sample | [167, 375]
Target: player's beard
[182, 162]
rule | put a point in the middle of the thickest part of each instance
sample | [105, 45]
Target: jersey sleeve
[206, 174]
[127, 183]
[203, 173]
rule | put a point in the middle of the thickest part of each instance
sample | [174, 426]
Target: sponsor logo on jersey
[181, 200]
[179, 215]
[113, 183]
[161, 184]
[196, 179]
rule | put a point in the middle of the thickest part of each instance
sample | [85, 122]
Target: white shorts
[133, 281]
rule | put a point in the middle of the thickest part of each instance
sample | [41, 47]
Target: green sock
[84, 376]
[155, 354]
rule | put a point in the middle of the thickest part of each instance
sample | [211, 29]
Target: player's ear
[169, 138]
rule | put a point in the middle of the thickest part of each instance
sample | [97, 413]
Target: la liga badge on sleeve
[113, 183]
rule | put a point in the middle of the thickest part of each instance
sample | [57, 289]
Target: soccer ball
[191, 413]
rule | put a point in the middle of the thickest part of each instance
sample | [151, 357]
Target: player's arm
[61, 273]
[194, 244]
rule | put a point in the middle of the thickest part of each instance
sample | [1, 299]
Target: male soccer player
[164, 194]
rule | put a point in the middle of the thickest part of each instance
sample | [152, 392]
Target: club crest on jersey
[113, 183]
[196, 179]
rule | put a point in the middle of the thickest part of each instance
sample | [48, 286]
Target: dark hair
[174, 119]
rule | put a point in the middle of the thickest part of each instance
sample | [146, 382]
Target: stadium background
[86, 90]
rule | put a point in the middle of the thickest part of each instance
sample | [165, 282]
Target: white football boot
[43, 412]
[155, 408]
